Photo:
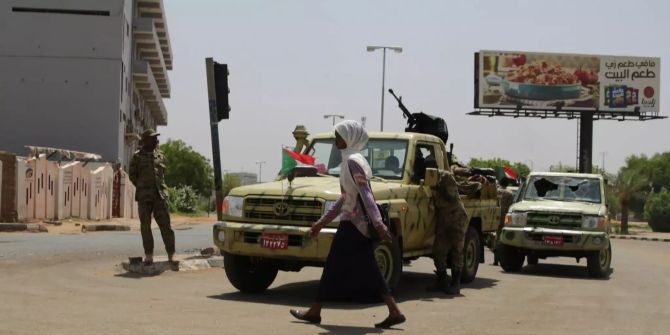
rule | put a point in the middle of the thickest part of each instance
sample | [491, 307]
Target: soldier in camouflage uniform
[147, 169]
[450, 224]
[506, 200]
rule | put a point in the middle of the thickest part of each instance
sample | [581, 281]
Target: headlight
[221, 236]
[516, 219]
[328, 206]
[232, 206]
[593, 222]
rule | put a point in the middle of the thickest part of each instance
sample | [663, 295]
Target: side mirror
[432, 177]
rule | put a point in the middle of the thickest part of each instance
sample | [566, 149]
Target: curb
[15, 227]
[161, 266]
[104, 227]
[640, 238]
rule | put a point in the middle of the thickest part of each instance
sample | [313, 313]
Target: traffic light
[222, 91]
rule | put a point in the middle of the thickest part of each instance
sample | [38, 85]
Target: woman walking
[351, 271]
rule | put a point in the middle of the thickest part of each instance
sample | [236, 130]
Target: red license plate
[553, 241]
[274, 241]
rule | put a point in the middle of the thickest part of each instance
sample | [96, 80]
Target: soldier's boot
[148, 259]
[441, 284]
[455, 287]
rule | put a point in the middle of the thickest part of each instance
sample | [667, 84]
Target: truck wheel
[249, 275]
[510, 258]
[598, 262]
[532, 259]
[389, 260]
[471, 255]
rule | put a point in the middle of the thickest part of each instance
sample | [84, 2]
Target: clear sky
[291, 62]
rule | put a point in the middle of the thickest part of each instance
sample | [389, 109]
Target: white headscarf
[356, 138]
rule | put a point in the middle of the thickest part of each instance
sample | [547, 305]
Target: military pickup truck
[558, 214]
[265, 226]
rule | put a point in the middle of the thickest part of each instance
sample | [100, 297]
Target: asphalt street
[83, 292]
[15, 247]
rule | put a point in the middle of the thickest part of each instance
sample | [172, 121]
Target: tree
[186, 167]
[630, 181]
[230, 181]
[657, 211]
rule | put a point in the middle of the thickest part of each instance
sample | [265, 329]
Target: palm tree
[629, 183]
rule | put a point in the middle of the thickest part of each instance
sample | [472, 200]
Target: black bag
[383, 210]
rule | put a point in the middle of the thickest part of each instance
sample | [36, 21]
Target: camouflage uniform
[450, 224]
[147, 170]
[506, 200]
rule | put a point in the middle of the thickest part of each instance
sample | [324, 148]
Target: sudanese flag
[290, 159]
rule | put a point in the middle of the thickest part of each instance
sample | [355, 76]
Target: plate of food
[541, 81]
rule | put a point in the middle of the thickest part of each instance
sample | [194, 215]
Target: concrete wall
[8, 189]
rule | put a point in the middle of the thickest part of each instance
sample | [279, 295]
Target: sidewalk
[643, 236]
[80, 226]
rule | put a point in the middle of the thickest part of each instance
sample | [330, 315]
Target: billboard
[547, 81]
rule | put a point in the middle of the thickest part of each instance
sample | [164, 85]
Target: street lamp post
[334, 116]
[371, 49]
[260, 169]
[531, 163]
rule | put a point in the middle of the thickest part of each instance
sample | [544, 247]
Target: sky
[292, 62]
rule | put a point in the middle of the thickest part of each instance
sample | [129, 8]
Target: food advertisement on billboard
[547, 81]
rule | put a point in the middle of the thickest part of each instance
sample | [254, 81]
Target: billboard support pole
[214, 125]
[586, 142]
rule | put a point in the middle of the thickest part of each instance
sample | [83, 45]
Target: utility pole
[260, 170]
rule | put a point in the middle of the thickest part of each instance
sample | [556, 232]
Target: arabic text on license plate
[274, 241]
[554, 241]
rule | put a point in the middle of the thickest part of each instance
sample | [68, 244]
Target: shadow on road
[556, 271]
[350, 330]
[412, 287]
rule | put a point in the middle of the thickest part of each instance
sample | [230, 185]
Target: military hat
[149, 133]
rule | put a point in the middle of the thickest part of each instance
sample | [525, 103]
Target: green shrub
[657, 211]
[182, 199]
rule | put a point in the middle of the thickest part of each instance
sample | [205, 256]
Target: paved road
[87, 296]
[15, 247]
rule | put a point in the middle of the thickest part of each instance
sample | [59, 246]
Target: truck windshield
[564, 188]
[386, 157]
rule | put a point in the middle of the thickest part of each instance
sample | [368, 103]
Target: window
[386, 157]
[424, 157]
[60, 11]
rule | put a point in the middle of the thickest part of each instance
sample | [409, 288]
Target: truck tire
[510, 258]
[471, 255]
[247, 274]
[389, 259]
[532, 260]
[598, 262]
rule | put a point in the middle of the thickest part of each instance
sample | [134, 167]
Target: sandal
[304, 317]
[391, 321]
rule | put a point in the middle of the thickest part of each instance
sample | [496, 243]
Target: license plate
[274, 241]
[553, 241]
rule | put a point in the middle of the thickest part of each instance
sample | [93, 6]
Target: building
[82, 75]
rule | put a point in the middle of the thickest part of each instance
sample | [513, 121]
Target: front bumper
[244, 239]
[532, 238]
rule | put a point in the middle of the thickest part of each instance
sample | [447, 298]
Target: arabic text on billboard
[509, 79]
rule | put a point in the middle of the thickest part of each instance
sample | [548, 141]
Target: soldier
[450, 222]
[147, 169]
[506, 200]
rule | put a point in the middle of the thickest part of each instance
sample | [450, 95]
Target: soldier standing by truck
[506, 201]
[147, 171]
[450, 223]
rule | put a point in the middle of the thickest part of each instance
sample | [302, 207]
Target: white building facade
[82, 75]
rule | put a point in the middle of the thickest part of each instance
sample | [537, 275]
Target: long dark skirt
[351, 272]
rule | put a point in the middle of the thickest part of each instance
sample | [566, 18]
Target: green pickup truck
[265, 226]
[558, 214]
